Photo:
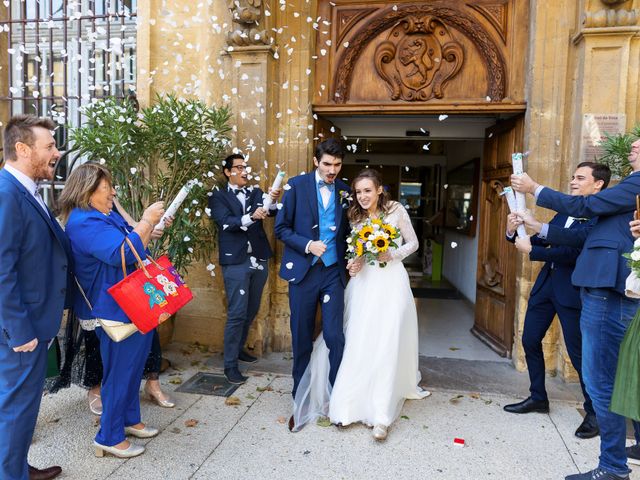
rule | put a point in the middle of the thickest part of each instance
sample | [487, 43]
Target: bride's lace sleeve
[409, 238]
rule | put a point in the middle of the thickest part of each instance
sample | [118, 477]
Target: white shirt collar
[317, 176]
[26, 181]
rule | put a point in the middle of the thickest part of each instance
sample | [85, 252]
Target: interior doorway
[433, 166]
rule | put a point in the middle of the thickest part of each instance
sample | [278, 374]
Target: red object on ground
[458, 442]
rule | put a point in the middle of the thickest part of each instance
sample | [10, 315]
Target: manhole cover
[208, 384]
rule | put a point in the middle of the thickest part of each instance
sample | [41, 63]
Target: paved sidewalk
[251, 440]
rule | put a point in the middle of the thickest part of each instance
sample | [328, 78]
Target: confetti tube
[511, 201]
[518, 169]
[276, 184]
[175, 205]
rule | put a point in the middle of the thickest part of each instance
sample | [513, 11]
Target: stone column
[252, 73]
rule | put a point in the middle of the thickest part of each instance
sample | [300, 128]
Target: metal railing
[62, 55]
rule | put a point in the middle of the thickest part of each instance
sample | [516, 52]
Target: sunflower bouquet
[371, 239]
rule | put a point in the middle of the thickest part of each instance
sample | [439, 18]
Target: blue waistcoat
[327, 219]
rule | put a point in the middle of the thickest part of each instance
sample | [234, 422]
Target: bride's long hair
[356, 213]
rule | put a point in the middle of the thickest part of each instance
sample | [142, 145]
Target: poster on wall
[594, 128]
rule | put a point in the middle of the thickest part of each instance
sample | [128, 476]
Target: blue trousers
[321, 283]
[541, 309]
[243, 286]
[606, 315]
[122, 363]
[21, 383]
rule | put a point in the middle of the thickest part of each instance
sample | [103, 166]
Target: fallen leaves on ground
[250, 397]
[323, 422]
[456, 399]
[453, 349]
[175, 381]
[268, 388]
[282, 420]
[404, 417]
[175, 430]
[232, 401]
[192, 422]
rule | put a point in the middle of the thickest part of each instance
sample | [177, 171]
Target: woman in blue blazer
[96, 233]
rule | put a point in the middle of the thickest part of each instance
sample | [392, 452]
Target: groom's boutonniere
[345, 198]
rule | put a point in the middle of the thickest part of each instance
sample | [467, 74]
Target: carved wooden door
[496, 276]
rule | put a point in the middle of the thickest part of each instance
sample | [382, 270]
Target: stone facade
[259, 57]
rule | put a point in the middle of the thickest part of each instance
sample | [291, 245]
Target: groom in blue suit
[600, 272]
[313, 226]
[34, 279]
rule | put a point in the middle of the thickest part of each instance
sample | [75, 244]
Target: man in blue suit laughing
[313, 226]
[34, 274]
[244, 251]
[553, 294]
[600, 272]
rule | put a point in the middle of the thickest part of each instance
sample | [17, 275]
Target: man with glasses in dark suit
[244, 252]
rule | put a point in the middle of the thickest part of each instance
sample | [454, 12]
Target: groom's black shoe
[234, 376]
[588, 428]
[247, 358]
[527, 406]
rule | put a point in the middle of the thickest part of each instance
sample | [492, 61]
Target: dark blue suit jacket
[298, 222]
[600, 264]
[226, 211]
[35, 267]
[563, 259]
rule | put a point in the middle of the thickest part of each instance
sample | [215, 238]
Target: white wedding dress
[379, 367]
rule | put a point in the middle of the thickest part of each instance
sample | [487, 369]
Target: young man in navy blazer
[313, 226]
[34, 278]
[600, 272]
[243, 254]
[553, 294]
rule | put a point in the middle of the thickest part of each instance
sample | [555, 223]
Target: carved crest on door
[418, 58]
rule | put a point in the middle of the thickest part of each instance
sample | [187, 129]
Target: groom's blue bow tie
[330, 186]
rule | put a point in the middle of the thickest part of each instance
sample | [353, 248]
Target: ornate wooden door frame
[421, 57]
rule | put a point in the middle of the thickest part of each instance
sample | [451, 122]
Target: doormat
[208, 384]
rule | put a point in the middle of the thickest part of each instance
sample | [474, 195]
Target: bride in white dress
[379, 368]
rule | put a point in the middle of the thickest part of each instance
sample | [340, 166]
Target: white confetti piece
[286, 187]
[224, 227]
[426, 146]
[210, 267]
[445, 186]
[332, 228]
[443, 117]
[187, 238]
[133, 170]
[289, 265]
[326, 299]
[488, 98]
[454, 244]
[242, 292]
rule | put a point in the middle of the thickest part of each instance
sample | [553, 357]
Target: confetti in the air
[443, 117]
[326, 299]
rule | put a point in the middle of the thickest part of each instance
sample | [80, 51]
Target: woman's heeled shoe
[132, 451]
[146, 432]
[165, 402]
[95, 403]
[380, 432]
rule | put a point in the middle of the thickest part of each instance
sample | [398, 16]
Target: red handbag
[152, 293]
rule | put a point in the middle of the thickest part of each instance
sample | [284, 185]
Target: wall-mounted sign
[594, 128]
